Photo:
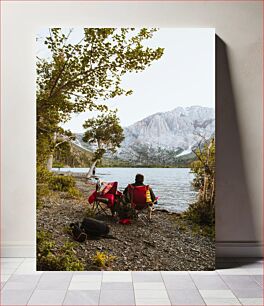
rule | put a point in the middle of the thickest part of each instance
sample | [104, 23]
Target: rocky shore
[167, 243]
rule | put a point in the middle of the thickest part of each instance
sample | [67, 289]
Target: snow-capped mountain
[163, 138]
[182, 129]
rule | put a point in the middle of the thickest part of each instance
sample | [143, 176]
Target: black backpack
[77, 233]
[89, 227]
[93, 227]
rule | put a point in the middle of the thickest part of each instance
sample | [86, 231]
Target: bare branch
[66, 140]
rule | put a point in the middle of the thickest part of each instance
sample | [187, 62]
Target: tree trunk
[50, 162]
[90, 172]
[50, 158]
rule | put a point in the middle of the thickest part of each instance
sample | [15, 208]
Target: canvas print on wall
[125, 149]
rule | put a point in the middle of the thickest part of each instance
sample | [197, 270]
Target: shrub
[67, 258]
[64, 259]
[201, 212]
[103, 260]
[62, 183]
[202, 218]
[58, 165]
[43, 174]
[44, 243]
[74, 192]
[42, 191]
[44, 178]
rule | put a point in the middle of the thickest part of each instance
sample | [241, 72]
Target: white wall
[239, 105]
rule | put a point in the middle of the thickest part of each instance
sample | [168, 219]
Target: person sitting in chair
[140, 196]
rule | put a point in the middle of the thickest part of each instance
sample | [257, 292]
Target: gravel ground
[167, 243]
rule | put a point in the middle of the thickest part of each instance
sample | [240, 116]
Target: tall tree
[105, 132]
[78, 75]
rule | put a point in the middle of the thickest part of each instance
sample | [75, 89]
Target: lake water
[172, 185]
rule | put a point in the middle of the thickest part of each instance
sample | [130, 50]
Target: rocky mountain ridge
[165, 137]
[178, 131]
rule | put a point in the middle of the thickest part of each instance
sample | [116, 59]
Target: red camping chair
[138, 199]
[106, 199]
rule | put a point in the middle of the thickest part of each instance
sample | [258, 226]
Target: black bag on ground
[94, 227]
[77, 233]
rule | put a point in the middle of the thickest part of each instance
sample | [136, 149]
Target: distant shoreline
[137, 166]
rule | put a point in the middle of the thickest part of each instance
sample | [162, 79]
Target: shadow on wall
[234, 215]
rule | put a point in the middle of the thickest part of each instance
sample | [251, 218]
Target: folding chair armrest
[101, 199]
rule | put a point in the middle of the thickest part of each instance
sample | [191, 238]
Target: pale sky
[183, 76]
